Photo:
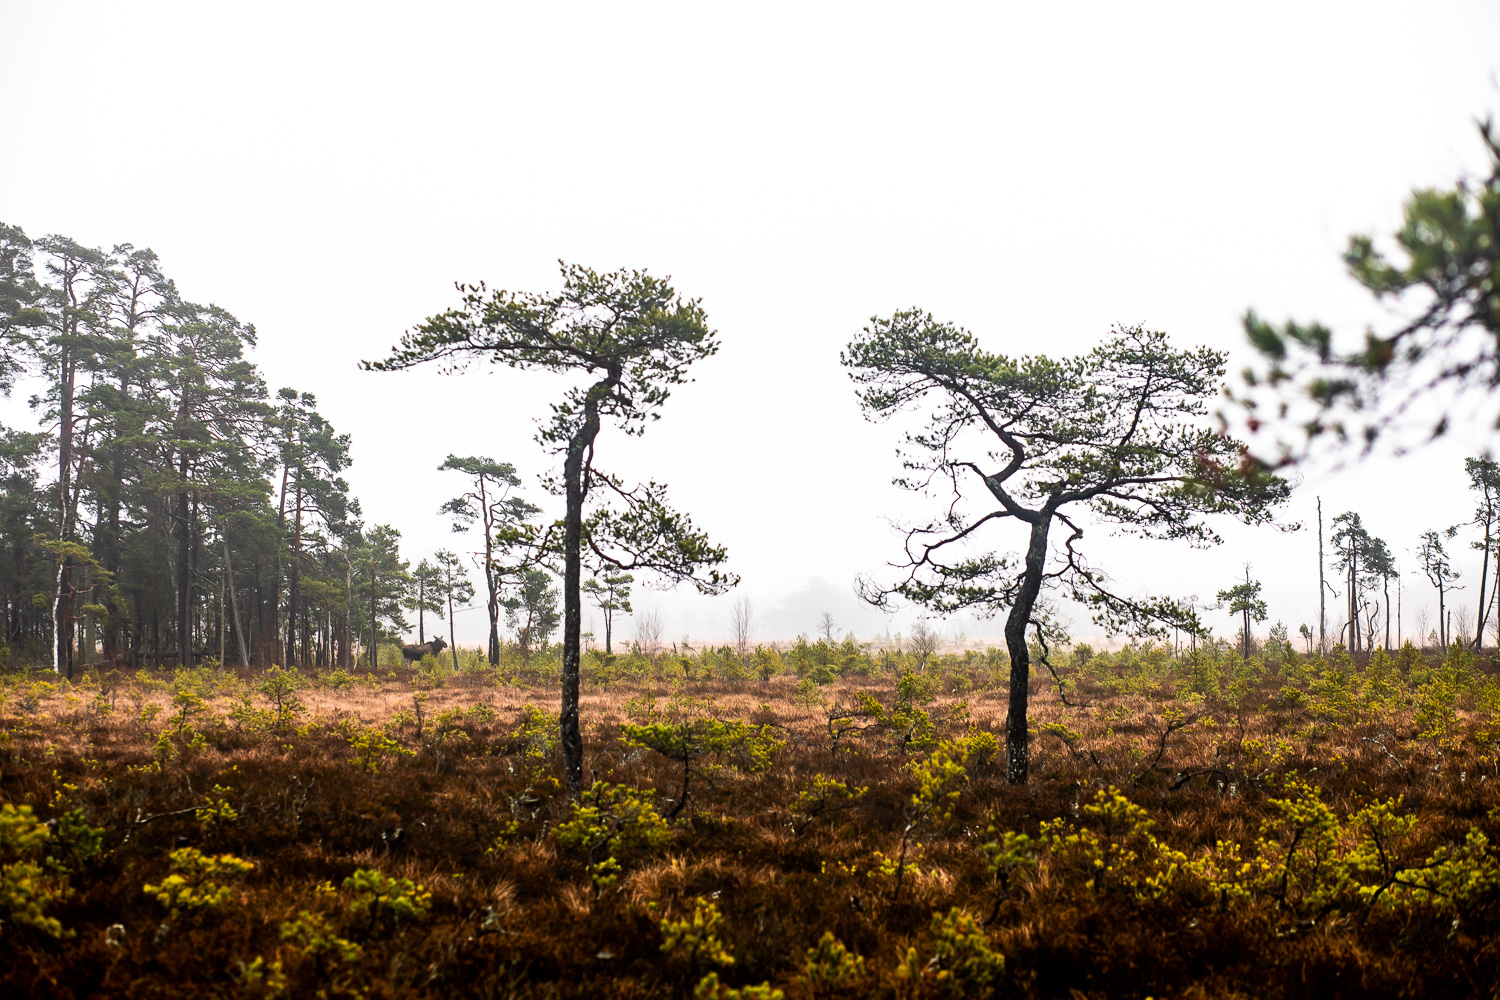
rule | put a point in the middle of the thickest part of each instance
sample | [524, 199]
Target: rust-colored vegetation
[823, 822]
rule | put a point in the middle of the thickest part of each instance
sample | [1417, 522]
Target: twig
[139, 822]
[1161, 748]
[1046, 662]
[1186, 776]
[1383, 749]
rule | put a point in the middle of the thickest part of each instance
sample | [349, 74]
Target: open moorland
[823, 821]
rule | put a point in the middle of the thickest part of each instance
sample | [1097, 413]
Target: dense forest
[171, 509]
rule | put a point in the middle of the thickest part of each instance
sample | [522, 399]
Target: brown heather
[468, 810]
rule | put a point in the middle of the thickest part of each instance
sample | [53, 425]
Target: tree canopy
[493, 503]
[1244, 599]
[1118, 432]
[166, 507]
[632, 338]
[1440, 274]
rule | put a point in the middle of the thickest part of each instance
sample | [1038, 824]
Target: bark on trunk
[184, 573]
[62, 605]
[374, 638]
[491, 581]
[270, 631]
[572, 733]
[1484, 573]
[1442, 623]
[1017, 754]
[452, 646]
[234, 608]
[1387, 614]
[1322, 589]
[1353, 584]
[294, 584]
[110, 545]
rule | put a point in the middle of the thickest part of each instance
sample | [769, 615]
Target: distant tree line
[168, 508]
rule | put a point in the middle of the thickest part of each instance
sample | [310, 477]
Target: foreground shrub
[606, 821]
[26, 888]
[381, 896]
[962, 962]
[194, 883]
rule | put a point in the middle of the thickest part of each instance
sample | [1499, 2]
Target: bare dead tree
[648, 632]
[923, 643]
[741, 619]
[1463, 628]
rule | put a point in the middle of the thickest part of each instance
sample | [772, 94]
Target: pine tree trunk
[1484, 573]
[234, 606]
[452, 646]
[374, 636]
[1442, 625]
[491, 578]
[295, 573]
[1017, 746]
[270, 631]
[1387, 614]
[62, 604]
[184, 572]
[573, 486]
[109, 543]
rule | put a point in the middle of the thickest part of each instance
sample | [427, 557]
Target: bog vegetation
[826, 819]
[223, 773]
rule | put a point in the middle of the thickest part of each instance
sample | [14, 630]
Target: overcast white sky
[327, 171]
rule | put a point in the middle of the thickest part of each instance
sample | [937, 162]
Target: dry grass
[520, 917]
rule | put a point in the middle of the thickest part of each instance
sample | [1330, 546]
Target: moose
[415, 652]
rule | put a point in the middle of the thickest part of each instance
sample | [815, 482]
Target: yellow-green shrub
[380, 895]
[608, 819]
[193, 884]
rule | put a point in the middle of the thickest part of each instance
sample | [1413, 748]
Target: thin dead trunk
[1322, 589]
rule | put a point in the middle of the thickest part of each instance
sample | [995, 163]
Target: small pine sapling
[195, 884]
[608, 820]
